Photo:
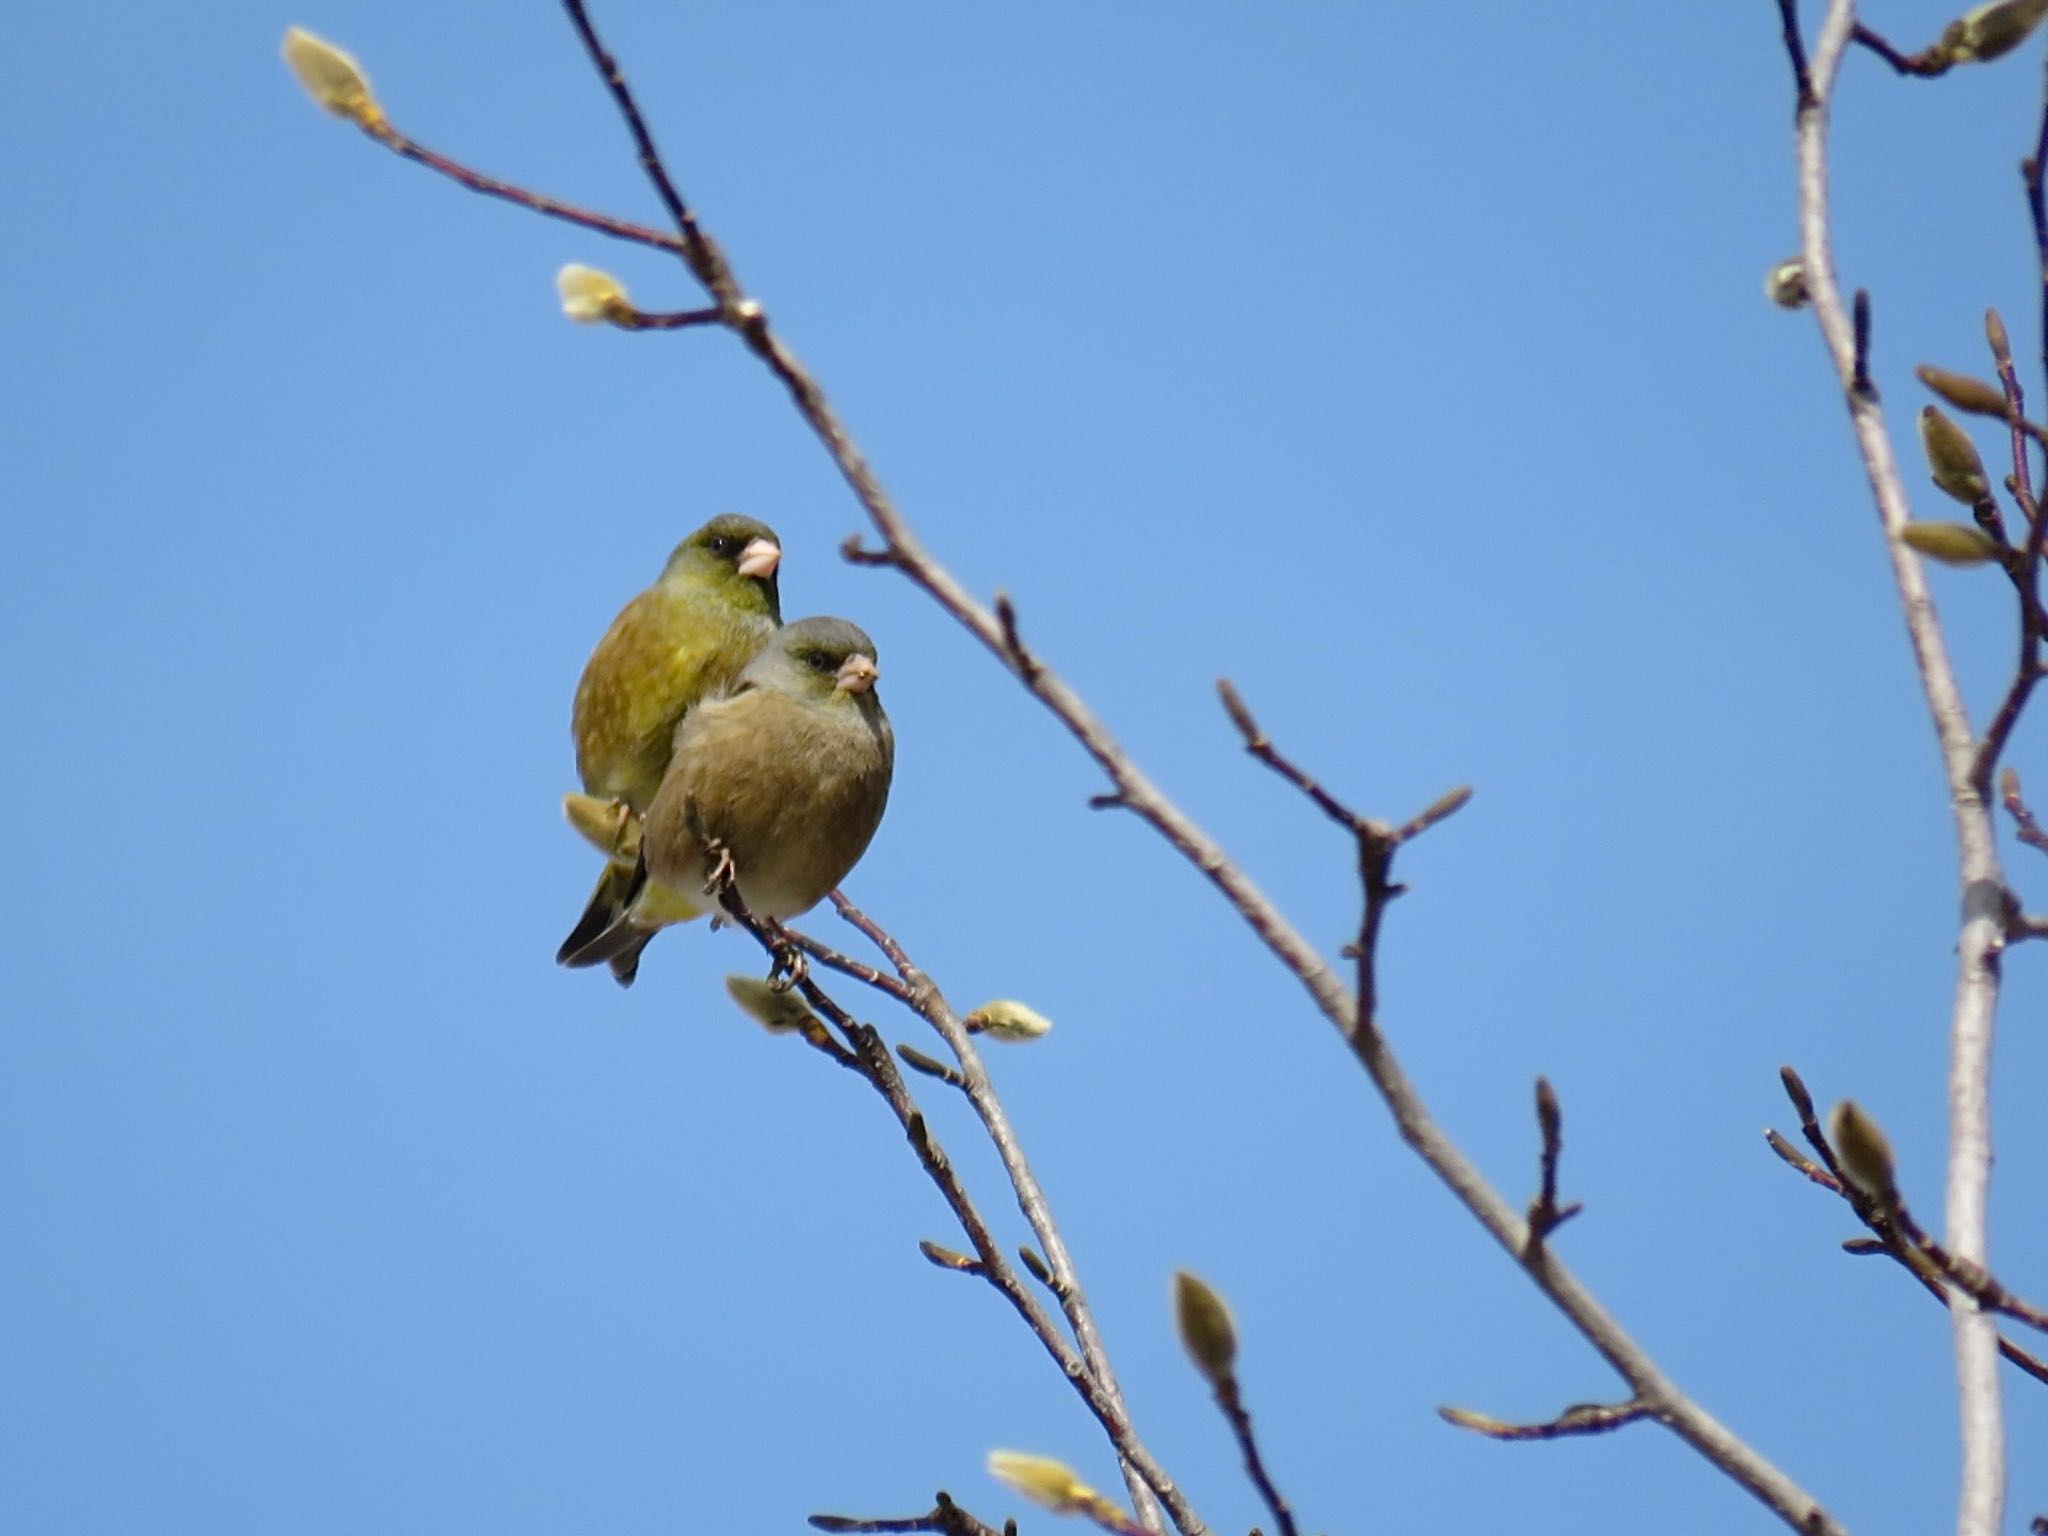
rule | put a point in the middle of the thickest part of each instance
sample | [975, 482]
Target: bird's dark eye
[819, 661]
[723, 544]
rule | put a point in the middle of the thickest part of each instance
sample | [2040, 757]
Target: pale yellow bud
[1992, 31]
[1958, 544]
[778, 1012]
[331, 77]
[590, 296]
[1785, 284]
[1860, 1147]
[1050, 1484]
[1007, 1019]
[1206, 1330]
[1958, 471]
[609, 826]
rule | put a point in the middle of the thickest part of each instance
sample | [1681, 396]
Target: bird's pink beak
[857, 673]
[759, 559]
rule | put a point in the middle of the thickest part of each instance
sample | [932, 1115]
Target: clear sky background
[1407, 364]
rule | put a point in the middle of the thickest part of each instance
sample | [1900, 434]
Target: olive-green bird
[788, 772]
[684, 638]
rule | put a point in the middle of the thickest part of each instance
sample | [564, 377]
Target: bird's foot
[790, 967]
[625, 830]
[722, 870]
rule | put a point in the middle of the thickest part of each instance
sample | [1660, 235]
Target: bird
[688, 635]
[786, 774]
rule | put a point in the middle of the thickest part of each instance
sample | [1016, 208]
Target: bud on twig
[1952, 543]
[1785, 284]
[1860, 1147]
[1958, 471]
[1994, 333]
[1975, 397]
[1206, 1330]
[1007, 1019]
[778, 1012]
[591, 296]
[609, 826]
[1050, 1484]
[331, 77]
[1991, 31]
[1035, 1264]
[946, 1258]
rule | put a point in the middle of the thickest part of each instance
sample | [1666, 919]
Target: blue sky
[1410, 368]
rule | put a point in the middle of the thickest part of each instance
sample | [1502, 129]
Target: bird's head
[824, 659]
[736, 556]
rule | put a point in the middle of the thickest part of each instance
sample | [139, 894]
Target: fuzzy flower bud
[778, 1012]
[1958, 471]
[331, 77]
[1992, 31]
[1206, 1330]
[590, 296]
[609, 826]
[1974, 397]
[1050, 1484]
[1860, 1147]
[1959, 544]
[1007, 1019]
[1785, 284]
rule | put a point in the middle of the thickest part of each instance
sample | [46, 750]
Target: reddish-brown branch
[505, 191]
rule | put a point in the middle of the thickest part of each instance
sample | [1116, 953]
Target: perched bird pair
[700, 712]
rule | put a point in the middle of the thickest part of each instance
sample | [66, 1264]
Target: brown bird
[787, 772]
[684, 638]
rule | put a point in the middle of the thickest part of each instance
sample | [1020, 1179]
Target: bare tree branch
[1579, 1419]
[534, 202]
[2026, 573]
[1231, 1400]
[2025, 827]
[1545, 1215]
[1982, 1500]
[1927, 64]
[868, 1056]
[1889, 1241]
[946, 1518]
[1655, 1396]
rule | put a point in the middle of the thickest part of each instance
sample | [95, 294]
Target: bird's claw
[623, 822]
[790, 967]
[722, 867]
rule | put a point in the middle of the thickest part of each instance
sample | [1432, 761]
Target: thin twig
[1795, 50]
[2026, 576]
[1889, 1242]
[1064, 1283]
[946, 1518]
[1579, 1419]
[2025, 827]
[871, 1059]
[1971, 1277]
[695, 248]
[630, 319]
[1134, 791]
[1260, 746]
[1231, 1400]
[533, 202]
[1926, 64]
[859, 970]
[1982, 1496]
[1859, 377]
[1545, 1215]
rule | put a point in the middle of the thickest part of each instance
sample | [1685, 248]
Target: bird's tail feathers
[616, 888]
[625, 912]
